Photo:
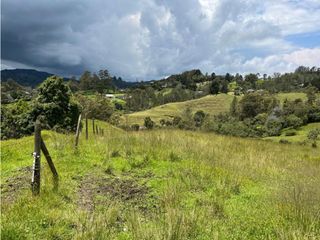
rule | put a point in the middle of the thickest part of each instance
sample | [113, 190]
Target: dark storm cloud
[148, 38]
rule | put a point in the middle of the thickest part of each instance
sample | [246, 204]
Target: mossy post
[87, 135]
[35, 182]
[78, 131]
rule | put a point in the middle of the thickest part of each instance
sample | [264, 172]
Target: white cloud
[282, 62]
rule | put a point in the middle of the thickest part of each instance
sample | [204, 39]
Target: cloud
[149, 39]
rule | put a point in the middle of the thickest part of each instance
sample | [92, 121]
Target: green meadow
[161, 184]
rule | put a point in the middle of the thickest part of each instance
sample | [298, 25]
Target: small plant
[115, 153]
[109, 170]
[173, 157]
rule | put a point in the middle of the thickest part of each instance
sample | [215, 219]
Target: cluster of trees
[187, 121]
[260, 114]
[52, 104]
[143, 98]
[97, 107]
[96, 82]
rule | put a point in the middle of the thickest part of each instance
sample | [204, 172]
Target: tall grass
[193, 186]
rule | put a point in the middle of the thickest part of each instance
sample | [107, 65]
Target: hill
[25, 77]
[32, 78]
[211, 104]
[161, 184]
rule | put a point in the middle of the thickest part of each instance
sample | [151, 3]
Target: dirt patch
[102, 189]
[11, 188]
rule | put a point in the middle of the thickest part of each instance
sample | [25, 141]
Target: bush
[198, 118]
[293, 121]
[148, 123]
[135, 127]
[273, 127]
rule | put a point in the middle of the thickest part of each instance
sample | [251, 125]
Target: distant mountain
[25, 77]
[32, 78]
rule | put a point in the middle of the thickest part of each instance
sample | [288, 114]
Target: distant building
[110, 96]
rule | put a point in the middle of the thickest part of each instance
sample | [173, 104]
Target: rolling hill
[211, 104]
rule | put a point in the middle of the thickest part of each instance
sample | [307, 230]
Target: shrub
[198, 118]
[273, 127]
[148, 123]
[293, 121]
[135, 127]
[176, 120]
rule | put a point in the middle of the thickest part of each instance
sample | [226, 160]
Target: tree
[214, 87]
[224, 86]
[252, 79]
[98, 108]
[198, 118]
[254, 103]
[54, 104]
[105, 80]
[85, 81]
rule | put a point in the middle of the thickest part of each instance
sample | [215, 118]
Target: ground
[162, 184]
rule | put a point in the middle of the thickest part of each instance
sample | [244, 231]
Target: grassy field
[162, 184]
[211, 104]
[301, 134]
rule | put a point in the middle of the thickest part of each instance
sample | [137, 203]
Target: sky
[151, 39]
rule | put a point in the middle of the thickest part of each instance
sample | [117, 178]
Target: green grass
[301, 134]
[291, 96]
[162, 184]
[211, 104]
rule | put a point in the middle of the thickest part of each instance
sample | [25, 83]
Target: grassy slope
[211, 104]
[301, 134]
[163, 184]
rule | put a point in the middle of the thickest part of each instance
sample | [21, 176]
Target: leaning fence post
[50, 163]
[78, 131]
[35, 182]
[87, 135]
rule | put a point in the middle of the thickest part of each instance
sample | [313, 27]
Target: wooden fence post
[87, 134]
[97, 130]
[35, 182]
[50, 163]
[93, 128]
[78, 131]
